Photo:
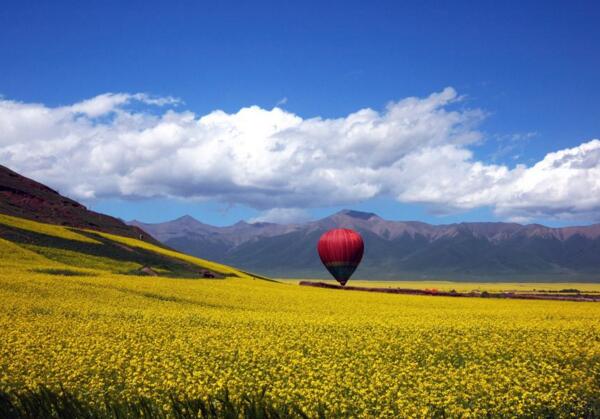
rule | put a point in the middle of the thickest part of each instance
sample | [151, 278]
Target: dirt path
[520, 296]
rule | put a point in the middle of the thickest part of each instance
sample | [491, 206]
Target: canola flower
[49, 229]
[364, 355]
[350, 353]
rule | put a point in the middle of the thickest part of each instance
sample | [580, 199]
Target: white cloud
[563, 184]
[416, 150]
[110, 102]
[282, 216]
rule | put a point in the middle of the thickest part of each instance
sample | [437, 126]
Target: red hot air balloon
[341, 250]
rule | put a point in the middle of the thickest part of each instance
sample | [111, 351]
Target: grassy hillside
[80, 328]
[31, 245]
[25, 198]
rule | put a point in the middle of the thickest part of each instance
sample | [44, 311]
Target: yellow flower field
[69, 321]
[354, 353]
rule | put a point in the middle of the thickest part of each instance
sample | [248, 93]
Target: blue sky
[529, 68]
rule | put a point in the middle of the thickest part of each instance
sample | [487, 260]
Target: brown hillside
[26, 198]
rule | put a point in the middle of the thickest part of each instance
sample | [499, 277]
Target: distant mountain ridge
[397, 249]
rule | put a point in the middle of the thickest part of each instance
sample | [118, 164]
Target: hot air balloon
[341, 250]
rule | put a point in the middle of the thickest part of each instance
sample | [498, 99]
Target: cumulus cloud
[415, 150]
[563, 184]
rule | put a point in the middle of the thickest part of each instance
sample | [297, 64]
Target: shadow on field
[44, 403]
[105, 248]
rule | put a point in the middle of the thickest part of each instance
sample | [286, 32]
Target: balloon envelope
[341, 251]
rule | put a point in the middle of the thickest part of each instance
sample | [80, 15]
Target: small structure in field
[205, 273]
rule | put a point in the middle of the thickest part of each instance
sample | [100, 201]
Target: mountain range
[484, 251]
